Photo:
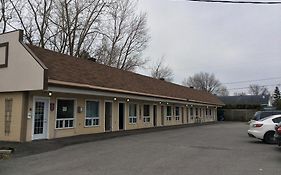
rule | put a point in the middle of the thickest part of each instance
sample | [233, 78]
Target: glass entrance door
[40, 119]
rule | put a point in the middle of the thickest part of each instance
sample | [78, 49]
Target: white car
[264, 129]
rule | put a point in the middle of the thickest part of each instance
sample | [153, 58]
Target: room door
[154, 115]
[40, 119]
[108, 116]
[121, 115]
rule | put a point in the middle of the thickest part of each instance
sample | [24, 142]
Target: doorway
[40, 118]
[121, 115]
[162, 115]
[108, 116]
[182, 115]
[154, 115]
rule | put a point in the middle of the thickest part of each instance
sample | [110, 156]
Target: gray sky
[236, 42]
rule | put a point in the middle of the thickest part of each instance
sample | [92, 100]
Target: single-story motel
[46, 95]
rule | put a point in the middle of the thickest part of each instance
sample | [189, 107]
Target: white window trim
[91, 118]
[177, 117]
[133, 117]
[74, 113]
[146, 117]
[169, 117]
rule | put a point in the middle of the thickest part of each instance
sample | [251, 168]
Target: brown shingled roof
[66, 68]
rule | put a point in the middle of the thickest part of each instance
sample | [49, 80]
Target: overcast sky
[236, 42]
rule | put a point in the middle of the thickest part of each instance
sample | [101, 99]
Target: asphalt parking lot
[218, 149]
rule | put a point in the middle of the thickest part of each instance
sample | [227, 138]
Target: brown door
[121, 115]
[108, 116]
[154, 115]
[182, 115]
[162, 115]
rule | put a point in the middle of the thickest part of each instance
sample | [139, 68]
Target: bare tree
[6, 14]
[161, 71]
[204, 81]
[66, 26]
[223, 91]
[112, 31]
[255, 89]
[124, 36]
[77, 25]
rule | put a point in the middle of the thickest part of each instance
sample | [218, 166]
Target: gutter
[87, 86]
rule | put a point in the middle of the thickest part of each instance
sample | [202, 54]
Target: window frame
[191, 111]
[169, 117]
[177, 116]
[96, 119]
[133, 119]
[146, 119]
[66, 119]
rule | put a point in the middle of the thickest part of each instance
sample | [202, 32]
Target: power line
[249, 81]
[239, 2]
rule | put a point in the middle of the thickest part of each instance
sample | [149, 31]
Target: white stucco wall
[23, 72]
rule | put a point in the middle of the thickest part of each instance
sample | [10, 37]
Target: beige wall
[80, 117]
[23, 72]
[16, 116]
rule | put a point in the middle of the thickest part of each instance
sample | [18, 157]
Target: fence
[238, 114]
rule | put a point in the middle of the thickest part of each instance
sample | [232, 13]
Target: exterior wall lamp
[50, 93]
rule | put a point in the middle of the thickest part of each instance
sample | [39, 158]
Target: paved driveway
[219, 149]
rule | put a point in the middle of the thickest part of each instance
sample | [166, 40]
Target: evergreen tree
[276, 97]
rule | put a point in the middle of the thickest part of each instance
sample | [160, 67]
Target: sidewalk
[41, 146]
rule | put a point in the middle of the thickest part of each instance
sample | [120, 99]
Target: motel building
[46, 95]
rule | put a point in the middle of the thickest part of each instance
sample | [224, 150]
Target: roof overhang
[77, 88]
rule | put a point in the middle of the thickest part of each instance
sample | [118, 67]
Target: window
[169, 113]
[177, 112]
[92, 113]
[210, 112]
[191, 111]
[206, 111]
[65, 114]
[277, 120]
[196, 111]
[132, 113]
[146, 113]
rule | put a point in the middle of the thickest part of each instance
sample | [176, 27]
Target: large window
[92, 113]
[196, 111]
[146, 113]
[177, 112]
[191, 111]
[132, 113]
[169, 113]
[65, 114]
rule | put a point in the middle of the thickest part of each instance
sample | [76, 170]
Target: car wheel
[269, 137]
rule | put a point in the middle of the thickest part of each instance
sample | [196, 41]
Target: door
[108, 116]
[154, 115]
[40, 119]
[121, 115]
[162, 115]
[182, 115]
[187, 115]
